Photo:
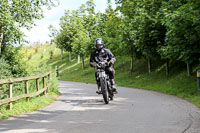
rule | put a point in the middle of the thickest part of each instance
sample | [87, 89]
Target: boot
[99, 90]
[114, 89]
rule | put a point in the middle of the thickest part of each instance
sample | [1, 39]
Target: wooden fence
[27, 95]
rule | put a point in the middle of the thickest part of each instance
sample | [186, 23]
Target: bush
[42, 56]
[36, 50]
[4, 73]
[30, 56]
[16, 65]
[54, 84]
[26, 51]
[42, 68]
[5, 69]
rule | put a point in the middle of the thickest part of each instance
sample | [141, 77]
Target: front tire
[104, 91]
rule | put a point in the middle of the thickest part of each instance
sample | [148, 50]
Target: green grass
[35, 65]
[177, 83]
[21, 106]
[72, 71]
[36, 57]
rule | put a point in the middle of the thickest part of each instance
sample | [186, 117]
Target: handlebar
[103, 64]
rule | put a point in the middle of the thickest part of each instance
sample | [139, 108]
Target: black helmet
[99, 43]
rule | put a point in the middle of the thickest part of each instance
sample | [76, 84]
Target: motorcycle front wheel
[104, 90]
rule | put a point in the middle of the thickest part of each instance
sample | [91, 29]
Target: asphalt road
[80, 110]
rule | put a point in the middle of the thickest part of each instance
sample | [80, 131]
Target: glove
[93, 64]
[112, 61]
[98, 66]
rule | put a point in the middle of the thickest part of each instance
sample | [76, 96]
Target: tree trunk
[188, 69]
[83, 63]
[78, 59]
[70, 56]
[131, 64]
[167, 66]
[61, 56]
[1, 38]
[149, 65]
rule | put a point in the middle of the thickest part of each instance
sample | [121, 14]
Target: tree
[14, 15]
[111, 23]
[53, 33]
[5, 69]
[182, 40]
[68, 31]
[81, 38]
[143, 27]
[90, 20]
[77, 29]
[79, 44]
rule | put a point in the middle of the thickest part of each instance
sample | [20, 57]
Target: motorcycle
[103, 82]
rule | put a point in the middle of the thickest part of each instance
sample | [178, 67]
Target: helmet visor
[99, 46]
[99, 41]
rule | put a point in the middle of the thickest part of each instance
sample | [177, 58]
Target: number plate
[102, 74]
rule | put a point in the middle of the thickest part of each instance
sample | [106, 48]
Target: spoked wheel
[104, 91]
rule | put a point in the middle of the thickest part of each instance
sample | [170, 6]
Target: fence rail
[27, 95]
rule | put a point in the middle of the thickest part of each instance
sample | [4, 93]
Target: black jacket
[100, 56]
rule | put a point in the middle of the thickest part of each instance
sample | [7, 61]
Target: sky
[52, 17]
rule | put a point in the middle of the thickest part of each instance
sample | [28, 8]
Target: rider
[100, 54]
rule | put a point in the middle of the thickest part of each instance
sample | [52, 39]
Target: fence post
[10, 95]
[26, 89]
[48, 81]
[37, 85]
[49, 76]
[198, 80]
[44, 85]
[57, 71]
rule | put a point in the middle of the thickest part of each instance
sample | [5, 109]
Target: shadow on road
[39, 120]
[66, 111]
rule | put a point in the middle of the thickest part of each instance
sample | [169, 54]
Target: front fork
[98, 83]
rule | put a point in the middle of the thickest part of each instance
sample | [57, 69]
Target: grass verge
[177, 83]
[36, 58]
[21, 106]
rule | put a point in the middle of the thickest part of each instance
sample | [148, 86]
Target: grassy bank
[39, 59]
[21, 106]
[177, 83]
[35, 58]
